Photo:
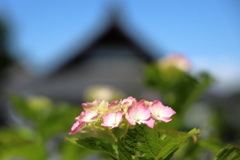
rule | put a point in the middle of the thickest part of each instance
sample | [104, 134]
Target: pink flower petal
[168, 112]
[112, 120]
[130, 120]
[89, 116]
[129, 100]
[144, 112]
[77, 127]
[165, 119]
[114, 105]
[138, 115]
[140, 103]
[89, 106]
[157, 108]
[143, 102]
[161, 112]
[149, 123]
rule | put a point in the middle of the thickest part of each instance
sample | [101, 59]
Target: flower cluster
[99, 114]
[175, 60]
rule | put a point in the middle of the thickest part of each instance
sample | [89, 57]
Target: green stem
[125, 131]
[109, 131]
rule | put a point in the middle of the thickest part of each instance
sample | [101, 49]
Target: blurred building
[5, 62]
[112, 57]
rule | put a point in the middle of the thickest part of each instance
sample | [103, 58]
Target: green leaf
[156, 143]
[50, 125]
[126, 147]
[96, 143]
[22, 107]
[196, 89]
[70, 151]
[21, 142]
[44, 115]
[230, 152]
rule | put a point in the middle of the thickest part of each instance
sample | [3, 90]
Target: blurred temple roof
[116, 31]
[112, 55]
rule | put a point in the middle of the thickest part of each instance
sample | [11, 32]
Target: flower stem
[109, 131]
[125, 131]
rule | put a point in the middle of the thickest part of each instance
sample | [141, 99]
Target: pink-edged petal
[89, 106]
[149, 123]
[112, 120]
[161, 112]
[165, 119]
[144, 112]
[168, 112]
[157, 108]
[143, 102]
[119, 115]
[129, 100]
[138, 114]
[108, 119]
[130, 120]
[89, 116]
[133, 112]
[77, 127]
[114, 105]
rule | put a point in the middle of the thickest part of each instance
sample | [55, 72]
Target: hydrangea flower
[100, 114]
[112, 120]
[176, 60]
[161, 112]
[129, 100]
[139, 115]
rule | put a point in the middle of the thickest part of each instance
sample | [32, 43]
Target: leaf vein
[147, 142]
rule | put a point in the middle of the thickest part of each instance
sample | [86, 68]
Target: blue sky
[206, 31]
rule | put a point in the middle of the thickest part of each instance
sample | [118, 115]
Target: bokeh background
[69, 52]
